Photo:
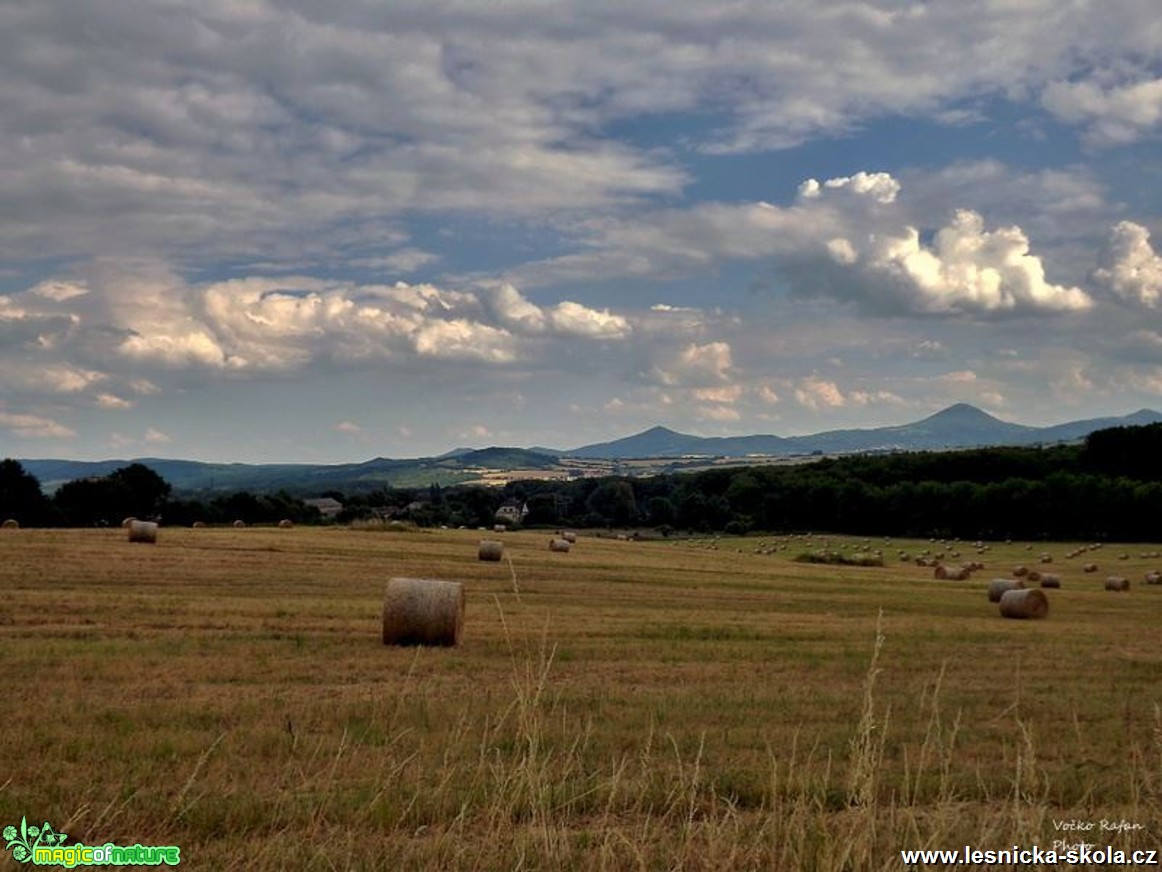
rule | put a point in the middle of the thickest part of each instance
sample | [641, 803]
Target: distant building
[512, 512]
[329, 508]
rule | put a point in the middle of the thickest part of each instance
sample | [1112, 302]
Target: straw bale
[1024, 604]
[142, 531]
[423, 611]
[490, 549]
[1118, 583]
[999, 585]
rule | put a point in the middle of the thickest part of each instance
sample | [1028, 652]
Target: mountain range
[958, 426]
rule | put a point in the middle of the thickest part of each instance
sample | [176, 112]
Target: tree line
[1109, 487]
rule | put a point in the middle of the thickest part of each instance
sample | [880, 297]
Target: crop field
[686, 704]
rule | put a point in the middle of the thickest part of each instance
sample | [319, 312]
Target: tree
[614, 501]
[147, 491]
[20, 496]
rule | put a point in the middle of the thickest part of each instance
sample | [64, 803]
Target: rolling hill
[958, 426]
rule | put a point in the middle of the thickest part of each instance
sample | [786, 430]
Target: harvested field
[640, 705]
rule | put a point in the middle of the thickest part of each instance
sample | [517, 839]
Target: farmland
[688, 704]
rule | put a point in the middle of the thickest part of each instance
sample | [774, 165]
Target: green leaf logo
[22, 842]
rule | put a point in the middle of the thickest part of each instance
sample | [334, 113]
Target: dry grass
[645, 705]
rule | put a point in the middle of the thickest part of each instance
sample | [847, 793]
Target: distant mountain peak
[962, 412]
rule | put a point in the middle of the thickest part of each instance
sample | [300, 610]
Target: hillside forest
[1108, 487]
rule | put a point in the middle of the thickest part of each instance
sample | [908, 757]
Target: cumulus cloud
[34, 427]
[878, 187]
[966, 268]
[709, 364]
[1130, 267]
[1112, 113]
[816, 393]
[850, 237]
[113, 402]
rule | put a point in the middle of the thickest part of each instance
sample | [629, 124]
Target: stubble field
[653, 705]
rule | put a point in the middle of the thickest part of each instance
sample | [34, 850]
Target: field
[652, 705]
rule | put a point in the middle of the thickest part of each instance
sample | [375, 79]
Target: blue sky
[278, 231]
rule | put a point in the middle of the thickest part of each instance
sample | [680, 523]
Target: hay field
[652, 705]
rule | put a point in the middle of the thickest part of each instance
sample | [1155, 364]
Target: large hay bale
[569, 536]
[239, 524]
[197, 525]
[999, 585]
[1020, 571]
[127, 521]
[10, 524]
[1025, 604]
[1153, 578]
[500, 528]
[1089, 567]
[561, 545]
[285, 524]
[490, 549]
[423, 611]
[142, 531]
[1116, 582]
[1048, 579]
[941, 572]
[1033, 575]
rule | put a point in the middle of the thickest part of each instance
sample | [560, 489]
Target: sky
[329, 230]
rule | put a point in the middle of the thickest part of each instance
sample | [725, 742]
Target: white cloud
[767, 395]
[875, 398]
[966, 269]
[34, 427]
[112, 401]
[878, 187]
[725, 395]
[960, 377]
[817, 393]
[1130, 267]
[1112, 113]
[850, 237]
[58, 291]
[349, 428]
[707, 364]
[153, 436]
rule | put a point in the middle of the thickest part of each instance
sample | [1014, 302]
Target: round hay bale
[125, 523]
[500, 528]
[1020, 571]
[569, 536]
[286, 524]
[423, 611]
[490, 549]
[1024, 604]
[1032, 575]
[1089, 567]
[142, 531]
[10, 524]
[239, 524]
[561, 545]
[1048, 579]
[999, 585]
[1153, 578]
[941, 572]
[962, 574]
[1116, 582]
[1046, 558]
[197, 525]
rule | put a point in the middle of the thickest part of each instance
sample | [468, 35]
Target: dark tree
[20, 496]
